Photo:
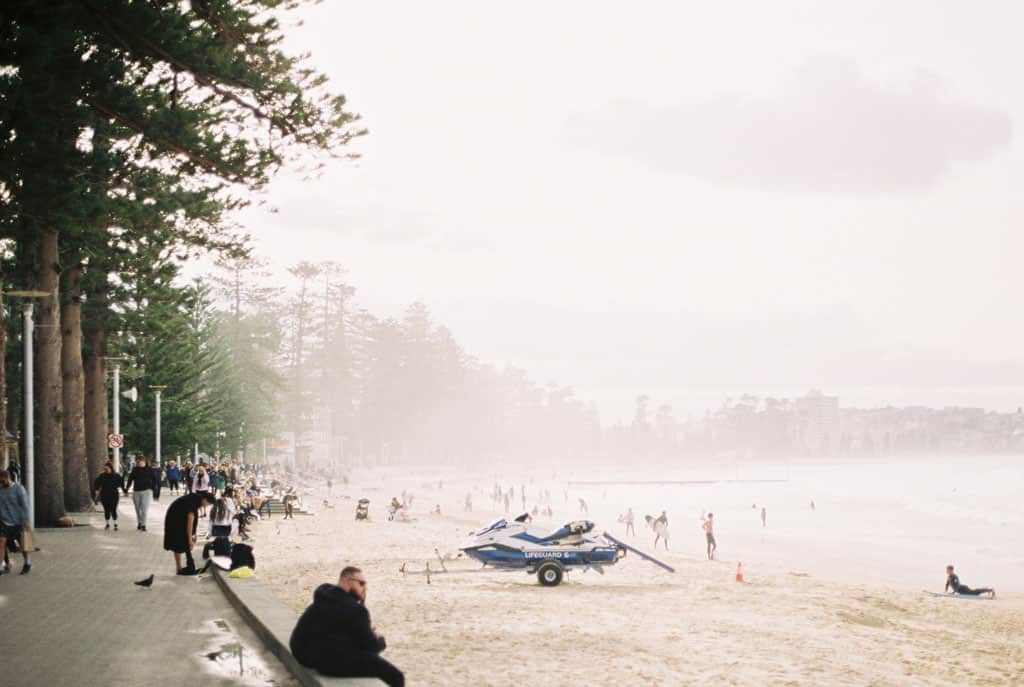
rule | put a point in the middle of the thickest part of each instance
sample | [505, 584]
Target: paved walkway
[78, 620]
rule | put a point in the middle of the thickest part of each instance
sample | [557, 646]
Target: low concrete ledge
[273, 622]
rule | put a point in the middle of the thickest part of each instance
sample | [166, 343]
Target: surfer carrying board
[660, 527]
[953, 582]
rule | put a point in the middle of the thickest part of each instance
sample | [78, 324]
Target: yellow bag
[243, 573]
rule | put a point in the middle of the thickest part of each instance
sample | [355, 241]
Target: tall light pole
[117, 414]
[29, 476]
[159, 391]
[29, 473]
[132, 395]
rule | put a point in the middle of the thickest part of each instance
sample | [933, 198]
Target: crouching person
[334, 634]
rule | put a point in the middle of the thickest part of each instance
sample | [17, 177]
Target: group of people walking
[209, 490]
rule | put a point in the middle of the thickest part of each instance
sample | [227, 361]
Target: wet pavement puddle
[228, 657]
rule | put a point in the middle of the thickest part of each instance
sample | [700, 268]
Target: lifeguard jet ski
[516, 546]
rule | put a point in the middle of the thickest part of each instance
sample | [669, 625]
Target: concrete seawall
[272, 621]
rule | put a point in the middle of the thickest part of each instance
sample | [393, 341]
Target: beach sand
[638, 624]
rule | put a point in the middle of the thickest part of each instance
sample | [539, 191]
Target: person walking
[143, 481]
[14, 520]
[173, 477]
[334, 635]
[186, 476]
[764, 517]
[180, 524]
[158, 474]
[107, 488]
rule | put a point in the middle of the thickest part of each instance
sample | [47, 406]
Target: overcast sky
[684, 199]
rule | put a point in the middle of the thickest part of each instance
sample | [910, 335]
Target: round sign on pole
[115, 441]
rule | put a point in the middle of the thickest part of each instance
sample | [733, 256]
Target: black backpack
[241, 556]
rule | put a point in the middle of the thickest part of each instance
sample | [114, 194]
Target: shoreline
[636, 624]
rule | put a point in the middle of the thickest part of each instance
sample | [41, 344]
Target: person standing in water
[660, 527]
[709, 532]
[953, 582]
[764, 517]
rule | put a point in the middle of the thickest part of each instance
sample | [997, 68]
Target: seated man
[953, 581]
[335, 637]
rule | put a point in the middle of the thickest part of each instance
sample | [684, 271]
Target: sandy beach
[824, 601]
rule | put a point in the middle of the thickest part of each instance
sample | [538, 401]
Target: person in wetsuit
[953, 582]
[334, 634]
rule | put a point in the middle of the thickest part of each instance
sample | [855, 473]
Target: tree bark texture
[3, 379]
[49, 398]
[77, 495]
[94, 361]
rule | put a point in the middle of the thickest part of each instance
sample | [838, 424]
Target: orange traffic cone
[739, 572]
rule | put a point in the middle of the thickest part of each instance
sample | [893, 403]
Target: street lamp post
[159, 392]
[30, 429]
[29, 474]
[117, 415]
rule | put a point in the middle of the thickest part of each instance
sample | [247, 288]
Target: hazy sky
[684, 199]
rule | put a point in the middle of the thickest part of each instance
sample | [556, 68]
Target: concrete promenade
[78, 620]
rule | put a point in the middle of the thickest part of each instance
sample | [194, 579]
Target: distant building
[818, 417]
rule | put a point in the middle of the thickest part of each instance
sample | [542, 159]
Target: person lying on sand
[953, 582]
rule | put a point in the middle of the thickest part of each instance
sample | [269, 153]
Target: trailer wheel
[550, 574]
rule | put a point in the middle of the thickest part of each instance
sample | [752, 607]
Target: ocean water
[894, 523]
[897, 523]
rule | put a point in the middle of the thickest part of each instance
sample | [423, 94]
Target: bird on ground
[146, 583]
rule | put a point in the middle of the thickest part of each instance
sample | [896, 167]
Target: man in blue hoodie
[334, 634]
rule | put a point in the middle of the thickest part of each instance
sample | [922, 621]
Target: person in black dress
[106, 488]
[180, 524]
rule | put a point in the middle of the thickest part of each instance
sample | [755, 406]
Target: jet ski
[515, 545]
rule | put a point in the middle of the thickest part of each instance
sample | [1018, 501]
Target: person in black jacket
[144, 479]
[106, 488]
[334, 634]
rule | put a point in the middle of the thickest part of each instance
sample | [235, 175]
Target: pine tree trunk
[94, 362]
[3, 379]
[76, 475]
[49, 399]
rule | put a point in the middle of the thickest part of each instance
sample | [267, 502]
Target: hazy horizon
[687, 201]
